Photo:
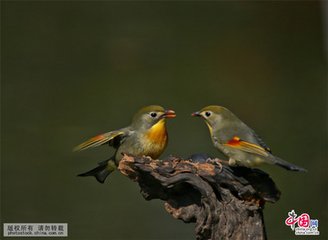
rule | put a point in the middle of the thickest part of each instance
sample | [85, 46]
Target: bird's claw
[217, 162]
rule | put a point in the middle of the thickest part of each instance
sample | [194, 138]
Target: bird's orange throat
[157, 134]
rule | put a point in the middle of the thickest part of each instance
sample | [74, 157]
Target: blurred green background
[71, 70]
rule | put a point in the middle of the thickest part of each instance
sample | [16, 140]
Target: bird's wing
[261, 142]
[100, 140]
[242, 145]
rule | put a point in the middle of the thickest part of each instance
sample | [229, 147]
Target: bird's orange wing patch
[98, 140]
[236, 142]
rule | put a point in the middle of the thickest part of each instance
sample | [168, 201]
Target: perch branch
[224, 202]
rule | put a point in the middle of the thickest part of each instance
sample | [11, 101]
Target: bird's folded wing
[245, 146]
[98, 140]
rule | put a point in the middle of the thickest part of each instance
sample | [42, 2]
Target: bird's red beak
[196, 114]
[169, 114]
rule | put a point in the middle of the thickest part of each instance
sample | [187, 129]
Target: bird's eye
[153, 114]
[207, 114]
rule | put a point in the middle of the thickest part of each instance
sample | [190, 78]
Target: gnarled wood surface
[224, 202]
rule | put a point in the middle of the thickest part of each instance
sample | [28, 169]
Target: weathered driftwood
[224, 202]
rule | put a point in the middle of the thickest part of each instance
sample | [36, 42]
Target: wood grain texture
[224, 202]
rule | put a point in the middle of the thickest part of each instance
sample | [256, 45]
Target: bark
[224, 202]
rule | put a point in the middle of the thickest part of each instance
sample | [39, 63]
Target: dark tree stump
[224, 202]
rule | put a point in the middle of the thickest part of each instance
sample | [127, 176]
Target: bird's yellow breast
[157, 133]
[156, 139]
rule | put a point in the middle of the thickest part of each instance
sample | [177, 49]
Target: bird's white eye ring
[153, 114]
[207, 114]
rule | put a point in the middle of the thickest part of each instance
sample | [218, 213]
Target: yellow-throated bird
[238, 141]
[147, 135]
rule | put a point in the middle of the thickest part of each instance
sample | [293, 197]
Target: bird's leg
[218, 162]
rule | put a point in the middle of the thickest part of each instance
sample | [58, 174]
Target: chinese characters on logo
[302, 225]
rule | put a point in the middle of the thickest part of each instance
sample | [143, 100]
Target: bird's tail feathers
[287, 165]
[101, 172]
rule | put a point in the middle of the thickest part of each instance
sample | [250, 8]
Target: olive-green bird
[238, 141]
[147, 135]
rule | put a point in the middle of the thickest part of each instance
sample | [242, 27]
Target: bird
[237, 141]
[145, 136]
